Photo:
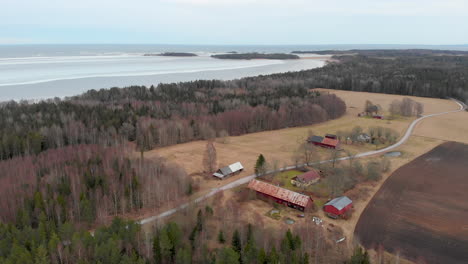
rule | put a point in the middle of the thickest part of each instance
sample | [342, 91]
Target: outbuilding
[281, 195]
[326, 142]
[338, 206]
[306, 179]
[228, 171]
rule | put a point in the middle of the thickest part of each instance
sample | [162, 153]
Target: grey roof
[340, 202]
[315, 139]
[226, 170]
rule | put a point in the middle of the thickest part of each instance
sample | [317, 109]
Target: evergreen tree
[221, 238]
[236, 241]
[156, 249]
[227, 256]
[359, 257]
[260, 165]
[41, 256]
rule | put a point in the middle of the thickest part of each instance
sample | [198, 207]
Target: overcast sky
[234, 21]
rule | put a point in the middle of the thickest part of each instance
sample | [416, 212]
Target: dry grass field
[450, 127]
[279, 145]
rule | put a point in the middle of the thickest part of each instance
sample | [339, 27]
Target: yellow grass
[279, 145]
[450, 127]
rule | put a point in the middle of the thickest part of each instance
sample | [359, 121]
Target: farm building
[306, 179]
[280, 195]
[338, 206]
[228, 171]
[325, 142]
[378, 116]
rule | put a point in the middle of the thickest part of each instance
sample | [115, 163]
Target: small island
[255, 55]
[172, 54]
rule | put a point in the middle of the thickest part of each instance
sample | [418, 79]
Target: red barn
[325, 142]
[378, 116]
[281, 195]
[338, 206]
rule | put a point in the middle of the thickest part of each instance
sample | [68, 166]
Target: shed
[228, 170]
[338, 206]
[326, 142]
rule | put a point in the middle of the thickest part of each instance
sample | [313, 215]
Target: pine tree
[236, 241]
[260, 165]
[156, 249]
[359, 257]
[221, 238]
[41, 256]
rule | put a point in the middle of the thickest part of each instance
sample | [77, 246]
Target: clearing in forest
[420, 211]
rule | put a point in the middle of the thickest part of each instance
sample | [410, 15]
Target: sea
[34, 72]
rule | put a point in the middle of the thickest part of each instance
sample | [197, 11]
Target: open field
[279, 146]
[450, 127]
[424, 205]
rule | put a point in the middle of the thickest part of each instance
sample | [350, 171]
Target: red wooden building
[326, 142]
[280, 195]
[338, 206]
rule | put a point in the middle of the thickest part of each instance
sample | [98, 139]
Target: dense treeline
[49, 243]
[85, 184]
[427, 73]
[385, 52]
[255, 55]
[122, 242]
[160, 116]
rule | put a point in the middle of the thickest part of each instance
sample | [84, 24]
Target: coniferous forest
[68, 166]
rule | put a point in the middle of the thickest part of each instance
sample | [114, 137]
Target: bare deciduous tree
[210, 158]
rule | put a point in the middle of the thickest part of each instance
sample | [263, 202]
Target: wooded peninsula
[255, 55]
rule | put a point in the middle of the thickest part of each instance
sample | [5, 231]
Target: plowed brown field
[421, 211]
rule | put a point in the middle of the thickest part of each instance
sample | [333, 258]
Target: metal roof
[236, 167]
[225, 171]
[309, 176]
[330, 142]
[318, 139]
[280, 193]
[340, 202]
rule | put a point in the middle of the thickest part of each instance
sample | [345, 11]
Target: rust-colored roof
[308, 176]
[330, 142]
[280, 193]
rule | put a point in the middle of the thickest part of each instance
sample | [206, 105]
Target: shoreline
[63, 88]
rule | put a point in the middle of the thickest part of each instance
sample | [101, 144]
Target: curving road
[246, 179]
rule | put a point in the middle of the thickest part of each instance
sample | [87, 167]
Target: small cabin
[228, 171]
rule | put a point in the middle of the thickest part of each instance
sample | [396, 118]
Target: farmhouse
[326, 142]
[306, 179]
[364, 138]
[338, 206]
[280, 195]
[227, 171]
